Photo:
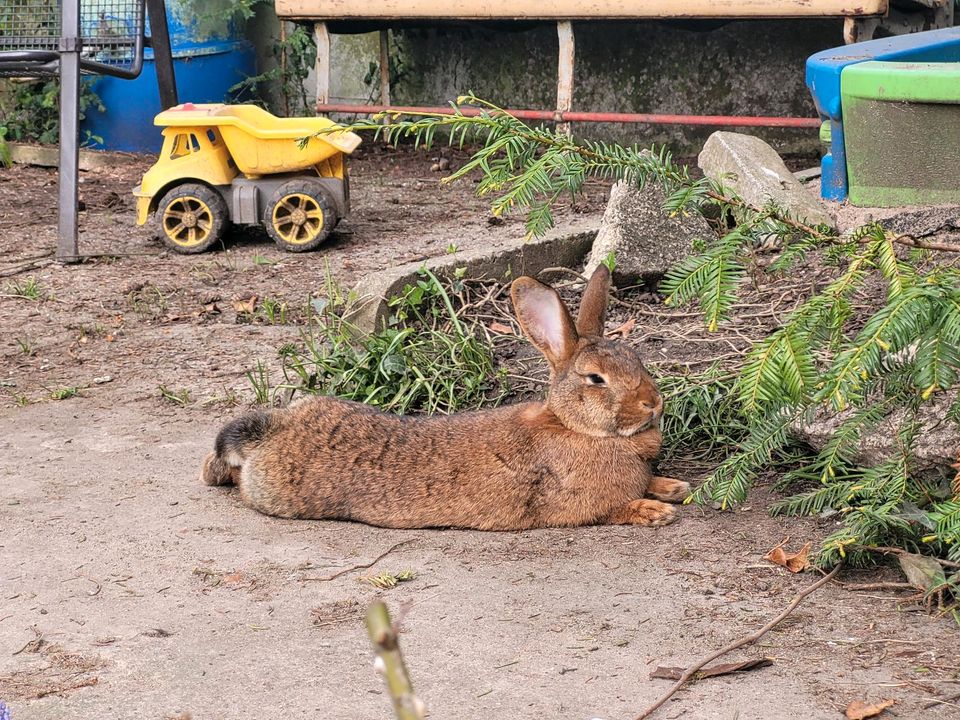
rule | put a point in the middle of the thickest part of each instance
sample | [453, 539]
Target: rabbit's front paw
[668, 489]
[652, 513]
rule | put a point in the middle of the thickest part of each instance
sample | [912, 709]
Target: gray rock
[935, 447]
[925, 222]
[753, 169]
[809, 174]
[565, 247]
[645, 240]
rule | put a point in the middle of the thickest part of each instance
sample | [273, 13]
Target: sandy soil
[129, 590]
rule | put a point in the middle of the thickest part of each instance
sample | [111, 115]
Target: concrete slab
[49, 156]
[564, 247]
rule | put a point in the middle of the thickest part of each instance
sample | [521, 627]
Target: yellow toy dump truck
[223, 164]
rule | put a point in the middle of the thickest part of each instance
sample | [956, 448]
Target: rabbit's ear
[593, 306]
[544, 319]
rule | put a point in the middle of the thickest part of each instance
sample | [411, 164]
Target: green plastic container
[902, 132]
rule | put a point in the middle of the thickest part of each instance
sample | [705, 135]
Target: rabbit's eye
[595, 379]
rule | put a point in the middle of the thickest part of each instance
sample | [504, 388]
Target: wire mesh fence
[29, 25]
[110, 31]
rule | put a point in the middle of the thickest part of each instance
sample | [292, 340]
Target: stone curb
[49, 156]
[564, 247]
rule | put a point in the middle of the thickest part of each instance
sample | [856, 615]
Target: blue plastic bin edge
[823, 73]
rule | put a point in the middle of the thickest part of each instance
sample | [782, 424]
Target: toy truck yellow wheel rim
[300, 215]
[187, 221]
[298, 219]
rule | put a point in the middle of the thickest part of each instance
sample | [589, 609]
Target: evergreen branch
[730, 482]
[890, 328]
[759, 379]
[684, 282]
[835, 496]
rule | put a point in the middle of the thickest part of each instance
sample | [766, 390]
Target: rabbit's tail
[222, 466]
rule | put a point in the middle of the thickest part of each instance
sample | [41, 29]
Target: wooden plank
[575, 9]
[385, 68]
[567, 47]
[322, 64]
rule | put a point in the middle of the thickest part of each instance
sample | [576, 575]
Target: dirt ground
[129, 590]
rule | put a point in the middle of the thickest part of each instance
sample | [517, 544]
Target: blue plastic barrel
[205, 67]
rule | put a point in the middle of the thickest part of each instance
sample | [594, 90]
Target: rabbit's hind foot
[651, 513]
[668, 489]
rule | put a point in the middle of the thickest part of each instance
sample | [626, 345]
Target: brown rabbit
[580, 458]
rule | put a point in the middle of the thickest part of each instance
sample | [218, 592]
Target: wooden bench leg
[322, 37]
[385, 68]
[565, 73]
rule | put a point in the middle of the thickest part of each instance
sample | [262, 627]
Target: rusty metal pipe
[574, 116]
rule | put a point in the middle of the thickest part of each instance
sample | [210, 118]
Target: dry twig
[748, 640]
[901, 551]
[361, 566]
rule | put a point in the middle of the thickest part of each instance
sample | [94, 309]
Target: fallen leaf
[859, 710]
[501, 329]
[794, 562]
[210, 309]
[675, 673]
[922, 572]
[245, 305]
[623, 330]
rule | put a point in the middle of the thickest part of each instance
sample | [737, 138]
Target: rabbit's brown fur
[580, 458]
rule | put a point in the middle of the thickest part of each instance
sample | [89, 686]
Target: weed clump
[425, 360]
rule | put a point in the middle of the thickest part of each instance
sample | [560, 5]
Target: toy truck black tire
[300, 215]
[191, 217]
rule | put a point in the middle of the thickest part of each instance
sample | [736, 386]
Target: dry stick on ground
[946, 701]
[878, 586]
[26, 267]
[901, 551]
[362, 566]
[748, 640]
[406, 705]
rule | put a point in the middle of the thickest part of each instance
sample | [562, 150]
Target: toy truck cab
[223, 164]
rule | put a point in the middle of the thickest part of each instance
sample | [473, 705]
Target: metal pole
[162, 54]
[69, 48]
[577, 116]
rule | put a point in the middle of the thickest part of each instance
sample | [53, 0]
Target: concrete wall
[735, 68]
[740, 68]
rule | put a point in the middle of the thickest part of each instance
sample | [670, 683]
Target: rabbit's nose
[655, 405]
